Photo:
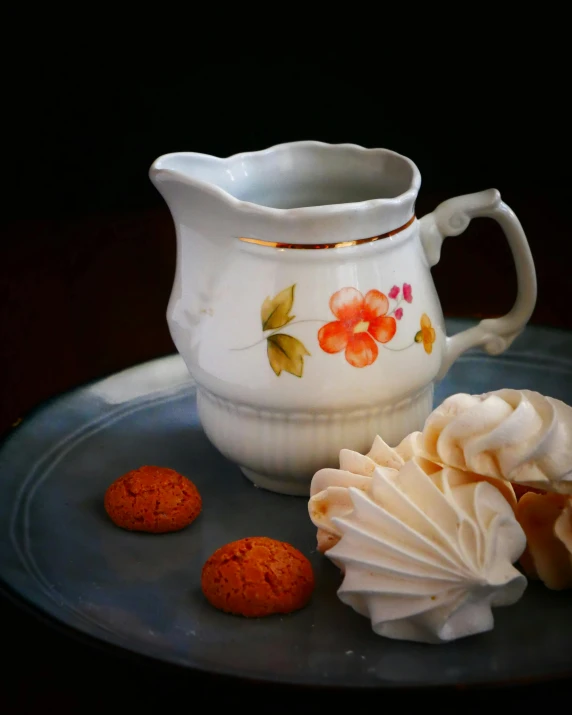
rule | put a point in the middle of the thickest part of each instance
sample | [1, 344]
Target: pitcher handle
[450, 219]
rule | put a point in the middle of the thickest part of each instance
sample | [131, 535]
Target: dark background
[87, 246]
[87, 250]
[83, 147]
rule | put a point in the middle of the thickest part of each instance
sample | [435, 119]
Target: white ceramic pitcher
[303, 303]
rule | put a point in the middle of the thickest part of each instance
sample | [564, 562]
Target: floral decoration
[362, 324]
[361, 321]
[427, 334]
[285, 353]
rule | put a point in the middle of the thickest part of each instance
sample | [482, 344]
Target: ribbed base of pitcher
[281, 451]
[287, 485]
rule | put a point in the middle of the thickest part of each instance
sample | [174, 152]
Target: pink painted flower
[399, 313]
[394, 292]
[407, 292]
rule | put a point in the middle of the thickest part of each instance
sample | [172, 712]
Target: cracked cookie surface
[152, 499]
[257, 576]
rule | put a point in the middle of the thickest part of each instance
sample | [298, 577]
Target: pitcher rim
[410, 194]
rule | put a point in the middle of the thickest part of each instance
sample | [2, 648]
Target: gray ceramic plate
[59, 552]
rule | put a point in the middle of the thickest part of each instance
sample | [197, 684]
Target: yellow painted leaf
[286, 353]
[275, 312]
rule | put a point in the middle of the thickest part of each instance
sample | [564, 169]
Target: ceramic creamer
[303, 303]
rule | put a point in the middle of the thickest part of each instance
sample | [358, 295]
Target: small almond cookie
[257, 576]
[152, 499]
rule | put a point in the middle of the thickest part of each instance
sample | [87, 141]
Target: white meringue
[329, 496]
[563, 528]
[547, 522]
[426, 556]
[517, 435]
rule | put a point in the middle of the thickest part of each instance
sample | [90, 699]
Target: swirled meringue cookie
[547, 523]
[426, 556]
[329, 496]
[517, 435]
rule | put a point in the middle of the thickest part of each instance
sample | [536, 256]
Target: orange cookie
[257, 577]
[154, 499]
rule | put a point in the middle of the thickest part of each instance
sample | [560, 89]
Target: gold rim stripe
[317, 246]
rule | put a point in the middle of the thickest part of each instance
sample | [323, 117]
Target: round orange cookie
[257, 576]
[154, 499]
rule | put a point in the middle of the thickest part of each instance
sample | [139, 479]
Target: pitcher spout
[186, 182]
[182, 177]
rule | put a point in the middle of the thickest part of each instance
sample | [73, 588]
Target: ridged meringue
[426, 556]
[329, 496]
[518, 435]
[547, 523]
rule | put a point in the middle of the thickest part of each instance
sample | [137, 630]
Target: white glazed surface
[283, 450]
[285, 428]
[231, 321]
[292, 193]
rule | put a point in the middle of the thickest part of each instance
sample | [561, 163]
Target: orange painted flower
[360, 322]
[427, 334]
